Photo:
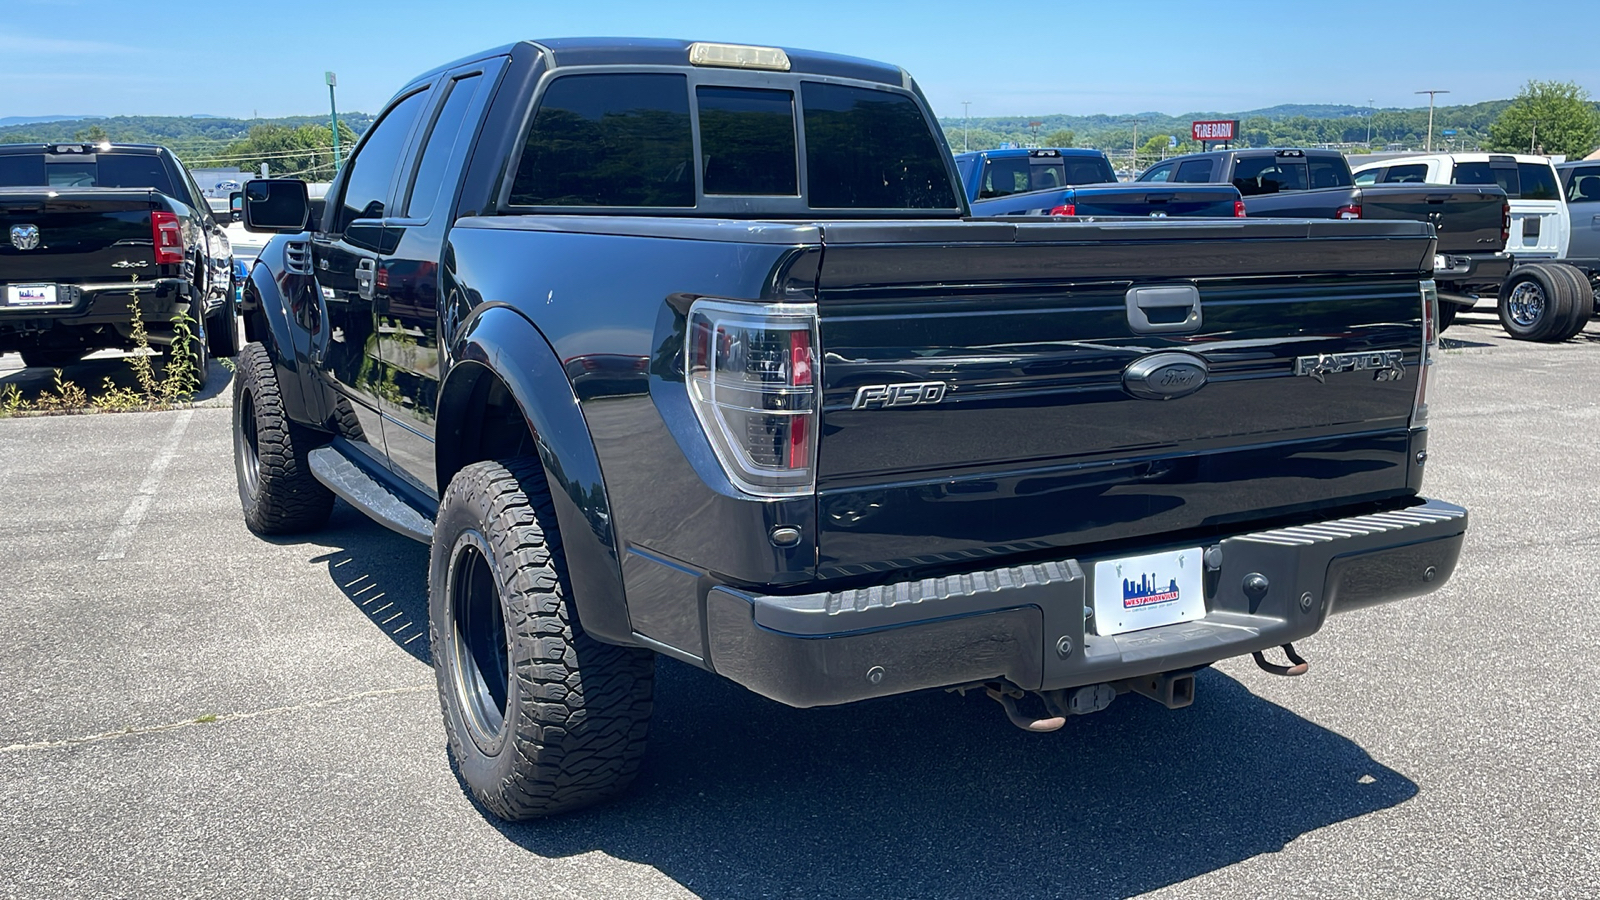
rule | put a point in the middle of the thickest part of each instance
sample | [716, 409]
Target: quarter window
[609, 140]
[747, 142]
[1328, 172]
[1412, 174]
[1159, 173]
[371, 170]
[871, 149]
[436, 154]
[1584, 186]
[1195, 171]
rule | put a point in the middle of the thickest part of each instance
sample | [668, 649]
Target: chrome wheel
[1526, 303]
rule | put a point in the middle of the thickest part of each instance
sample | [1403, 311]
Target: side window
[366, 185]
[747, 142]
[1004, 176]
[1370, 176]
[1195, 171]
[1538, 181]
[871, 149]
[1162, 172]
[441, 141]
[1328, 172]
[1416, 173]
[1584, 186]
[609, 140]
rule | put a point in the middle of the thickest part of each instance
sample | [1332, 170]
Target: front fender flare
[502, 342]
[267, 319]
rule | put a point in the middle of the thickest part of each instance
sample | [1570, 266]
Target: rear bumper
[102, 304]
[1462, 274]
[1027, 624]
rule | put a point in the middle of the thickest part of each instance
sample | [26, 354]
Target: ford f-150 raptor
[692, 349]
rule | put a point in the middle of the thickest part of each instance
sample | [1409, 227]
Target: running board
[359, 489]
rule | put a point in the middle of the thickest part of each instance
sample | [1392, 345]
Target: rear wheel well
[479, 420]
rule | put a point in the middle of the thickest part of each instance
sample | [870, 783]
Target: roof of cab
[617, 51]
[88, 147]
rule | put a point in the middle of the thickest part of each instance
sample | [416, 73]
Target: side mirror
[276, 206]
[236, 206]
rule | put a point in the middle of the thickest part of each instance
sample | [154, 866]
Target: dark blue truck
[695, 350]
[1078, 182]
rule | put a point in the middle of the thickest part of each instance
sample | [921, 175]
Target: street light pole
[1429, 147]
[333, 116]
[1369, 123]
[965, 104]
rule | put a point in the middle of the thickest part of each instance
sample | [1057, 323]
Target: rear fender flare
[500, 341]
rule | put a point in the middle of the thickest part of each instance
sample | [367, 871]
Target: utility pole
[1369, 123]
[333, 115]
[1429, 147]
[965, 105]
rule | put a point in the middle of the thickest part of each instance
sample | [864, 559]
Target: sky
[135, 57]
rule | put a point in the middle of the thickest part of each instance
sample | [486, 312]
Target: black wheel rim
[249, 447]
[482, 663]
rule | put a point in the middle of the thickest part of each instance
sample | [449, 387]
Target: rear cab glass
[1503, 176]
[1538, 181]
[627, 141]
[1255, 175]
[1328, 172]
[106, 170]
[1414, 173]
[1014, 175]
[1195, 171]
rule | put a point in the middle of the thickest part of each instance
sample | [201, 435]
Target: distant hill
[192, 135]
[33, 120]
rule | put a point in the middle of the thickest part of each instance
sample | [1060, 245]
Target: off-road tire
[282, 496]
[222, 332]
[50, 359]
[198, 349]
[576, 712]
[1528, 321]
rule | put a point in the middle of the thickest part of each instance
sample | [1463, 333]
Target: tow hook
[1297, 665]
[1006, 696]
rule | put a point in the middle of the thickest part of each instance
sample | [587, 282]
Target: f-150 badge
[879, 396]
[1386, 365]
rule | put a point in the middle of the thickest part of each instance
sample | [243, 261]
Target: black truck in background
[86, 227]
[694, 349]
[1472, 222]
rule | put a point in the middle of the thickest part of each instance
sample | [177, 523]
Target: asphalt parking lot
[189, 710]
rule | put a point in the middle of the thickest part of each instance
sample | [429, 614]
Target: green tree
[94, 134]
[1547, 117]
[304, 152]
[1061, 137]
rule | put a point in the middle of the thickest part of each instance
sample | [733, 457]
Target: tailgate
[83, 235]
[1468, 218]
[1039, 438]
[1157, 201]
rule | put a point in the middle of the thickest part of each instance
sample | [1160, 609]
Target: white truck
[1540, 300]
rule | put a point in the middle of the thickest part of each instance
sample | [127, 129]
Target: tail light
[1505, 223]
[1348, 212]
[1430, 340]
[1238, 209]
[1068, 209]
[752, 373]
[167, 235]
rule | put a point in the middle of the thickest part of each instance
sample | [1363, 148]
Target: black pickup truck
[85, 227]
[692, 349]
[1472, 222]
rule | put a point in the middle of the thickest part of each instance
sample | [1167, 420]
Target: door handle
[366, 274]
[1164, 309]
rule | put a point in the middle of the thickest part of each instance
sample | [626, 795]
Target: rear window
[871, 149]
[1538, 181]
[609, 140]
[747, 143]
[1370, 176]
[107, 170]
[1505, 177]
[1583, 185]
[1195, 171]
[1268, 175]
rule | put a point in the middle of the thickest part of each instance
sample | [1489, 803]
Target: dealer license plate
[1138, 592]
[30, 295]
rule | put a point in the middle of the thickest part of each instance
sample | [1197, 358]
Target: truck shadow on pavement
[935, 795]
[928, 795]
[91, 374]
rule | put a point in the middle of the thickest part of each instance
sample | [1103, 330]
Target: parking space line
[117, 545]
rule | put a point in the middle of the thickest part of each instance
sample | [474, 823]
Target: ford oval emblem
[1165, 376]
